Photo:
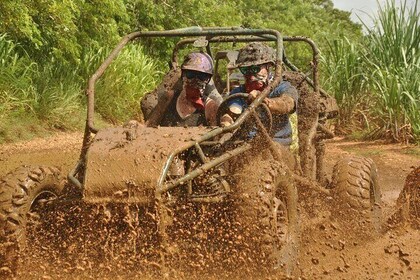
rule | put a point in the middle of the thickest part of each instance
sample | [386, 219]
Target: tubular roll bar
[191, 31]
[209, 33]
[212, 34]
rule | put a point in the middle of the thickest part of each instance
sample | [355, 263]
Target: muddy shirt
[172, 118]
[281, 124]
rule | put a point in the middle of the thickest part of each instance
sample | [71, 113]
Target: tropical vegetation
[376, 80]
[48, 49]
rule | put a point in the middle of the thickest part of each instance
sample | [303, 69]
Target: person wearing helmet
[187, 97]
[255, 61]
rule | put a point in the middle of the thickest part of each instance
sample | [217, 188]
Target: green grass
[18, 129]
[393, 56]
[376, 81]
[414, 151]
[43, 93]
[343, 75]
[126, 80]
[36, 98]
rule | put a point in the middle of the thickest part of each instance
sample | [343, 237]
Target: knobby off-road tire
[357, 193]
[22, 193]
[267, 213]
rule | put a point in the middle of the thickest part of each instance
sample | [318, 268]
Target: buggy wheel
[23, 194]
[357, 192]
[267, 210]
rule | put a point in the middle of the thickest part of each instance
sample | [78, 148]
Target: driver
[255, 62]
[191, 98]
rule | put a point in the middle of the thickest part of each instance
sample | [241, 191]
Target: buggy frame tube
[216, 35]
[272, 35]
[192, 31]
[203, 168]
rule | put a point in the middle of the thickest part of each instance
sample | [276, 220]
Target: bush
[125, 81]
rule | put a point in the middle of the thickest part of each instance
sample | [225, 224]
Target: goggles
[197, 75]
[250, 70]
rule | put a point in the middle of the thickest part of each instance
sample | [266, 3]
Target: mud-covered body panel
[124, 164]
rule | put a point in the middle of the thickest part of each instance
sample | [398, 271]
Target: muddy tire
[357, 192]
[268, 213]
[22, 193]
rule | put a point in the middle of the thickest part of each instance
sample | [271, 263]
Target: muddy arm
[281, 105]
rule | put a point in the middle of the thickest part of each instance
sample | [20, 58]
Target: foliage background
[48, 48]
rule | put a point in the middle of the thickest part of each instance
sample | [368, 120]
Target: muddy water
[104, 246]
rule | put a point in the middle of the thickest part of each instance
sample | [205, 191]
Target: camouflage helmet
[200, 62]
[254, 54]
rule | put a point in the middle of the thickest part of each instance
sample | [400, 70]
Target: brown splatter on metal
[128, 169]
[308, 112]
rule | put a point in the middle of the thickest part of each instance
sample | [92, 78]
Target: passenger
[255, 62]
[188, 97]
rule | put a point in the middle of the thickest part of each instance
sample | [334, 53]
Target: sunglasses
[197, 75]
[250, 70]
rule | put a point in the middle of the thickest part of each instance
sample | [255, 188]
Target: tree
[61, 29]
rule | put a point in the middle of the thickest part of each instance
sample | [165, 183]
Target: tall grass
[53, 94]
[393, 55]
[344, 76]
[48, 93]
[379, 76]
[58, 96]
[15, 79]
[125, 81]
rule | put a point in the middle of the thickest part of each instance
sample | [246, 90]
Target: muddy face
[125, 164]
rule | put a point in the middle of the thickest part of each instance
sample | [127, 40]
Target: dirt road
[325, 254]
[395, 254]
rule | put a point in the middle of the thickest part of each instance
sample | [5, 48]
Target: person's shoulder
[211, 92]
[282, 88]
[284, 85]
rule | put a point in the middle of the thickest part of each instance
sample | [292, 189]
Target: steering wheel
[248, 127]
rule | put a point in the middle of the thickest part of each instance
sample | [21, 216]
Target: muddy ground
[326, 251]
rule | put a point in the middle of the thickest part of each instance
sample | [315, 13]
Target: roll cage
[211, 35]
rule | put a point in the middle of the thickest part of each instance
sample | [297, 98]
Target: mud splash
[118, 241]
[408, 203]
[325, 252]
